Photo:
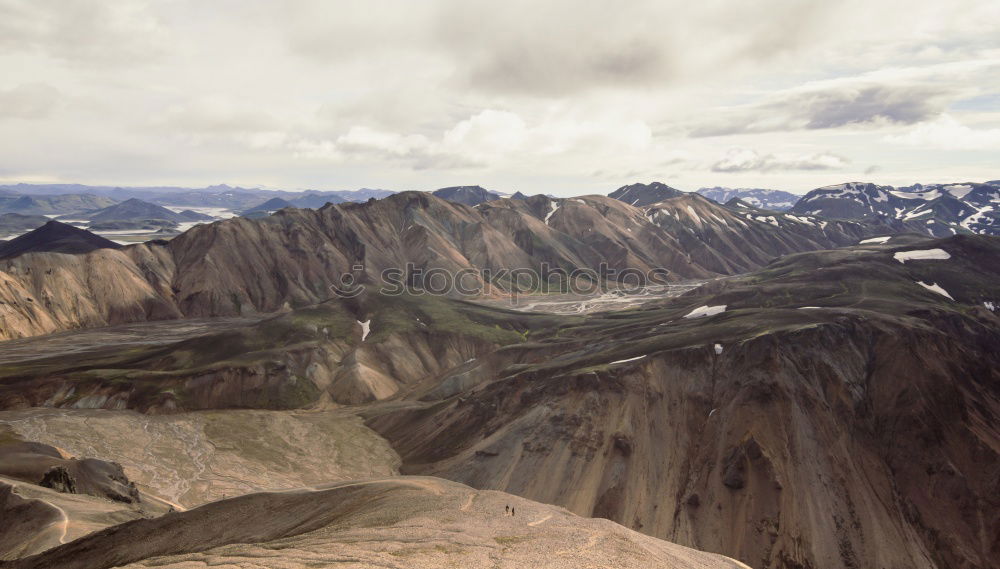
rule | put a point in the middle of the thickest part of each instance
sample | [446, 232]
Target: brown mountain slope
[828, 411]
[242, 266]
[405, 523]
[835, 414]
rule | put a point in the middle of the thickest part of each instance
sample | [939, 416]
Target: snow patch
[935, 288]
[366, 328]
[718, 349]
[875, 240]
[931, 195]
[628, 360]
[706, 311]
[958, 191]
[921, 255]
[555, 206]
[694, 214]
[990, 305]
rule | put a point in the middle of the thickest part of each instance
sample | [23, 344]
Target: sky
[559, 97]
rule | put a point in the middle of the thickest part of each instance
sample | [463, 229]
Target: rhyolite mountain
[775, 200]
[468, 195]
[55, 237]
[291, 258]
[943, 209]
[640, 195]
[834, 409]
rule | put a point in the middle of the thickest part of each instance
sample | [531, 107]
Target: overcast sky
[564, 97]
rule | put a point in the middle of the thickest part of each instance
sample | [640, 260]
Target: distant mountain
[775, 200]
[316, 200]
[640, 195]
[55, 237]
[943, 209]
[468, 195]
[16, 222]
[270, 206]
[739, 237]
[217, 196]
[137, 210]
[53, 204]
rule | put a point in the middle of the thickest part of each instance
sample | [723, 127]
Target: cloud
[364, 144]
[946, 133]
[746, 160]
[216, 114]
[555, 48]
[93, 31]
[527, 94]
[832, 108]
[28, 101]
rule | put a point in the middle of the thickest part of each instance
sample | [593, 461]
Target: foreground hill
[405, 523]
[835, 410]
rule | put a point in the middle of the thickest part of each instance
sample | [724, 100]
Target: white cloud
[947, 133]
[29, 101]
[517, 95]
[744, 160]
[89, 31]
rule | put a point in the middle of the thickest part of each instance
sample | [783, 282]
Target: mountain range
[775, 200]
[813, 388]
[944, 209]
[760, 416]
[290, 258]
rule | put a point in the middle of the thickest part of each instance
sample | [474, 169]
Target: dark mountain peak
[640, 195]
[56, 237]
[273, 204]
[468, 195]
[518, 196]
[133, 209]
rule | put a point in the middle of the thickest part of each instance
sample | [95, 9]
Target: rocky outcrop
[46, 466]
[59, 479]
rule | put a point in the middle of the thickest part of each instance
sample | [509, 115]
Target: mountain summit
[56, 237]
[640, 195]
[468, 195]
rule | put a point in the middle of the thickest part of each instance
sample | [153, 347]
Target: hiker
[512, 511]
[506, 509]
